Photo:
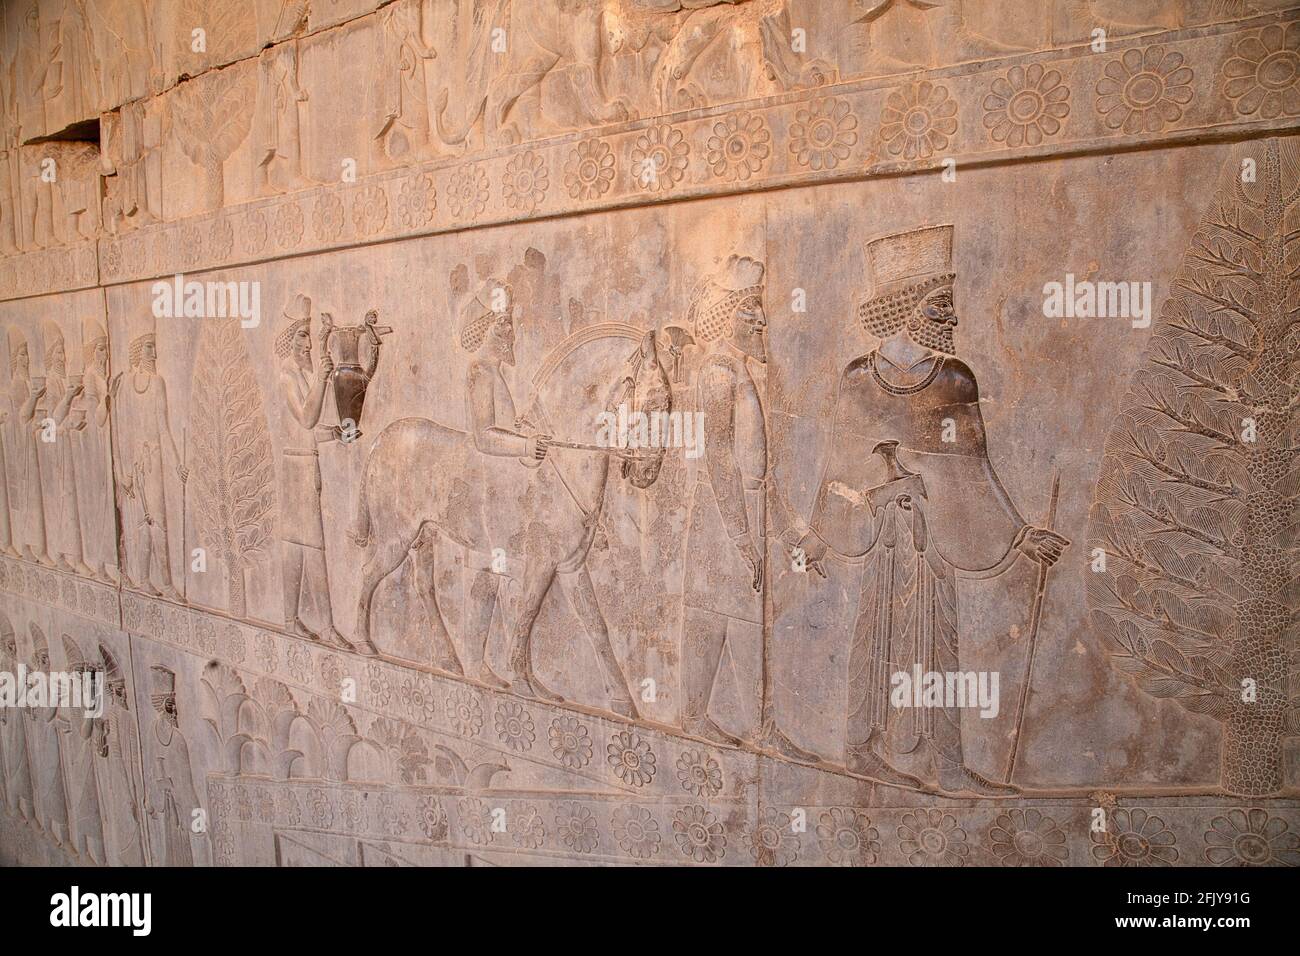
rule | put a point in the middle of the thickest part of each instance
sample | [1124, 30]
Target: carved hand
[1043, 545]
[68, 398]
[814, 552]
[750, 554]
[183, 472]
[537, 447]
[326, 367]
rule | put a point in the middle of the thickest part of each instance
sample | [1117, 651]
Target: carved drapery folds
[552, 431]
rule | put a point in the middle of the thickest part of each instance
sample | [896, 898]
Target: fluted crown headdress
[905, 268]
[164, 687]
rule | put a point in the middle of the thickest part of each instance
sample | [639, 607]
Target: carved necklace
[904, 389]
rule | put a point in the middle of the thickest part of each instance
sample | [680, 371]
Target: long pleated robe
[964, 523]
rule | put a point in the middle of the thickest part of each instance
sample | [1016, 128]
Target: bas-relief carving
[52, 196]
[78, 740]
[170, 799]
[435, 592]
[442, 96]
[117, 766]
[91, 455]
[147, 464]
[71, 777]
[473, 475]
[55, 459]
[234, 501]
[1196, 498]
[23, 476]
[131, 142]
[54, 446]
[716, 354]
[302, 386]
[20, 798]
[45, 752]
[208, 120]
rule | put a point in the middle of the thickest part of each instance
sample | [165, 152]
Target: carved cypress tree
[211, 116]
[231, 464]
[1195, 503]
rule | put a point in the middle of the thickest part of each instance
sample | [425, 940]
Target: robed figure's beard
[935, 335]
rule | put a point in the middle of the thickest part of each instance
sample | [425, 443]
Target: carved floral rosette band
[657, 446]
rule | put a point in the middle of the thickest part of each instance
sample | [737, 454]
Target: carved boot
[704, 728]
[486, 675]
[624, 707]
[298, 629]
[777, 742]
[448, 663]
[333, 638]
[700, 657]
[865, 762]
[526, 684]
[957, 778]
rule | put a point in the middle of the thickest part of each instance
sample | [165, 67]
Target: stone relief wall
[368, 584]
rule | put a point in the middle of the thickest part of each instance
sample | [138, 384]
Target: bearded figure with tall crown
[910, 492]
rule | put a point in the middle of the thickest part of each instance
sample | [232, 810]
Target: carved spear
[185, 563]
[1035, 616]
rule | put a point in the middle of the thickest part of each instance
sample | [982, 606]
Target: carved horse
[551, 520]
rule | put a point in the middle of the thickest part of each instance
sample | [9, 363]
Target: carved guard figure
[906, 395]
[144, 426]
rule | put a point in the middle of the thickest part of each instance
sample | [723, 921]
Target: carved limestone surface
[650, 432]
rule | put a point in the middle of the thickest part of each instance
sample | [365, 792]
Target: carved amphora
[350, 378]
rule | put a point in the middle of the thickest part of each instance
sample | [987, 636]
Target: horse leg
[423, 553]
[582, 598]
[537, 581]
[478, 626]
[381, 561]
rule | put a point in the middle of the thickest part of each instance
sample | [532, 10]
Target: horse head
[643, 386]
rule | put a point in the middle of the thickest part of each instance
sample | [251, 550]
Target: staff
[1035, 616]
